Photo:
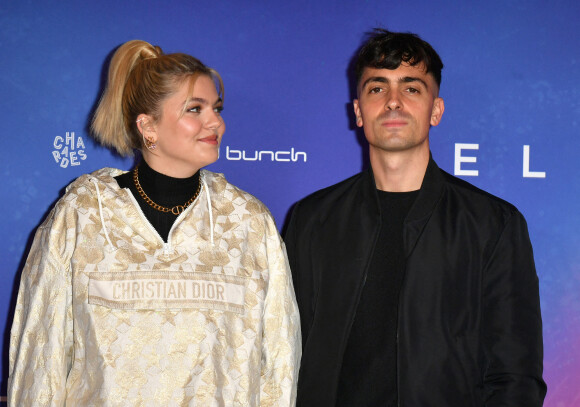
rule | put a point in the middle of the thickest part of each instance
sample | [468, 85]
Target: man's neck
[400, 171]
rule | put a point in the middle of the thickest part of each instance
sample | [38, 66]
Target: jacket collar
[429, 196]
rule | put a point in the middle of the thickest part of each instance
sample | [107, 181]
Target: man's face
[396, 107]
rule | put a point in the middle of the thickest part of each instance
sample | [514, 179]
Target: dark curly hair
[387, 50]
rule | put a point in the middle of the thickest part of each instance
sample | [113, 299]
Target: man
[415, 288]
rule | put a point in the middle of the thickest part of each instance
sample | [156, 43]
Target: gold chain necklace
[176, 210]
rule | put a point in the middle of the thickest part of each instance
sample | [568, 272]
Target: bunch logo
[265, 155]
[69, 150]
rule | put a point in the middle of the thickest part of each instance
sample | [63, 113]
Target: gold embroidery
[64, 350]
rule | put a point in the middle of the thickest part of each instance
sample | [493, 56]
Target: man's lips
[393, 119]
[394, 123]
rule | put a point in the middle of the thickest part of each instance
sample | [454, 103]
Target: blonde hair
[140, 78]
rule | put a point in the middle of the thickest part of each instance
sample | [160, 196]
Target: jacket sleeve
[281, 349]
[512, 321]
[303, 286]
[41, 336]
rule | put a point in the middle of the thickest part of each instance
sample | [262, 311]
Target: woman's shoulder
[83, 190]
[105, 177]
[224, 193]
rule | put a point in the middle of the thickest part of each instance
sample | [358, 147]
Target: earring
[149, 144]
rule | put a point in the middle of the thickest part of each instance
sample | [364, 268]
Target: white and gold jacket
[110, 315]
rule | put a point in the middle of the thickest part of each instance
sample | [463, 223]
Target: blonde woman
[162, 286]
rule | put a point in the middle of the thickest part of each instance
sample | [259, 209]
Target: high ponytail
[140, 78]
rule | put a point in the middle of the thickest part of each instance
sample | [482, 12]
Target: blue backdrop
[511, 124]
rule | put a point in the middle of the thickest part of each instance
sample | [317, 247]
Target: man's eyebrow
[405, 79]
[409, 79]
[380, 79]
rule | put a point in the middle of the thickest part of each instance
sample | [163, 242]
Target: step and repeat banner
[511, 124]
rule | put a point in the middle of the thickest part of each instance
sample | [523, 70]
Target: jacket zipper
[359, 293]
[397, 333]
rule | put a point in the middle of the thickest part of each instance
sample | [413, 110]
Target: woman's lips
[213, 140]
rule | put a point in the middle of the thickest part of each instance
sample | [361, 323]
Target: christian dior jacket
[469, 327]
[110, 315]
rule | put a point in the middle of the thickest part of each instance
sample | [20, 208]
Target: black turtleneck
[161, 189]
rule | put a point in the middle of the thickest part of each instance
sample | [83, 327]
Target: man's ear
[437, 111]
[357, 113]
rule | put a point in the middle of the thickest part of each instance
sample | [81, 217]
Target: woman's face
[187, 141]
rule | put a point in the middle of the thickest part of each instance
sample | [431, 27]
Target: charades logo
[69, 150]
[266, 155]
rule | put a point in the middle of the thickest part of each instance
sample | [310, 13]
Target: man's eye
[413, 90]
[375, 90]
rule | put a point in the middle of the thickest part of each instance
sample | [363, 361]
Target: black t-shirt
[369, 370]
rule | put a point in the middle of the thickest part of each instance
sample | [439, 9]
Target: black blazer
[469, 328]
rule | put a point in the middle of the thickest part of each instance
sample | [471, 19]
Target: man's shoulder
[476, 198]
[334, 193]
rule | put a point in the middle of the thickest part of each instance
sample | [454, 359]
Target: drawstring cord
[208, 208]
[101, 213]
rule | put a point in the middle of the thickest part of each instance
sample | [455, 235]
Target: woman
[163, 286]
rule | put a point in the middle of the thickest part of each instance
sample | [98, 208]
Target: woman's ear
[147, 130]
[146, 127]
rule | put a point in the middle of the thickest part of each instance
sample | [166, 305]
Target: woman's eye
[218, 109]
[195, 109]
